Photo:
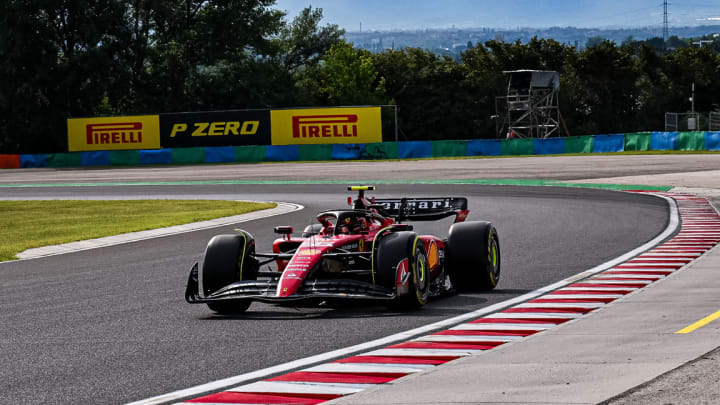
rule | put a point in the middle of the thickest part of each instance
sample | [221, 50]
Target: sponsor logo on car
[403, 273]
[432, 204]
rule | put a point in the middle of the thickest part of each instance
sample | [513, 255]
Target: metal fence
[678, 122]
[714, 121]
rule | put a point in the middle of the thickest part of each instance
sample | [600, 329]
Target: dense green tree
[56, 59]
[347, 76]
[65, 58]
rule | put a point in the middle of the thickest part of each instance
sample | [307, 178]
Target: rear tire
[228, 259]
[473, 256]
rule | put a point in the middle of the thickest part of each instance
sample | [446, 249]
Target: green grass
[31, 224]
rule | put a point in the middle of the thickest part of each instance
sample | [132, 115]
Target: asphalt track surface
[111, 325]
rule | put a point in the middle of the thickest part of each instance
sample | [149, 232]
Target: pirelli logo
[122, 132]
[325, 126]
[114, 133]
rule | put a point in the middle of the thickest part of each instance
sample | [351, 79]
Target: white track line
[45, 251]
[410, 334]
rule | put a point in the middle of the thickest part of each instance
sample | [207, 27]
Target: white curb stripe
[466, 338]
[536, 315]
[423, 352]
[504, 326]
[629, 276]
[588, 305]
[364, 368]
[582, 296]
[288, 388]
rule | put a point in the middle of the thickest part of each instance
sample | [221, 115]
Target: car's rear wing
[423, 209]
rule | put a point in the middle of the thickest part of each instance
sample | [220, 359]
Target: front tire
[228, 259]
[392, 252]
[473, 256]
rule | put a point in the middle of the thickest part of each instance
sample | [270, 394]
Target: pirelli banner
[326, 125]
[113, 133]
[227, 128]
[217, 128]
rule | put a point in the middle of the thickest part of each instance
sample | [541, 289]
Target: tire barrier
[643, 141]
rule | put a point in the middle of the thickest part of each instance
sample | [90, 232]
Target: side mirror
[283, 230]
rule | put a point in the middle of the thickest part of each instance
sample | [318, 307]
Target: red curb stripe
[654, 266]
[446, 345]
[617, 286]
[347, 378]
[648, 273]
[665, 260]
[435, 360]
[620, 277]
[509, 320]
[230, 397]
[570, 301]
[547, 310]
[484, 333]
[604, 292]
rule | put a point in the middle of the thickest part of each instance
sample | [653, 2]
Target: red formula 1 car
[364, 253]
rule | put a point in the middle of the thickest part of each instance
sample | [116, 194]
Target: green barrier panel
[386, 150]
[638, 141]
[579, 144]
[449, 148]
[315, 152]
[188, 155]
[253, 153]
[691, 141]
[72, 159]
[124, 158]
[517, 147]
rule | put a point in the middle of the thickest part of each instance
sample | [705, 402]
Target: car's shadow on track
[454, 304]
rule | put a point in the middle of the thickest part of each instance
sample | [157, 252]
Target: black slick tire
[394, 249]
[228, 260]
[473, 256]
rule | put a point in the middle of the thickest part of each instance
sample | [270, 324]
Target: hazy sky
[418, 14]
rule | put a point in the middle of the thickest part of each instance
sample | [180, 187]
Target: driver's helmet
[353, 224]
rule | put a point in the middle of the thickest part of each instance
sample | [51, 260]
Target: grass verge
[30, 224]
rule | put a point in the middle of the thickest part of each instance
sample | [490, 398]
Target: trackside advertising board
[216, 128]
[326, 125]
[113, 133]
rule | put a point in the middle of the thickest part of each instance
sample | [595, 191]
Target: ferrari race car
[364, 253]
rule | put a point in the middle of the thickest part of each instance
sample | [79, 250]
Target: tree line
[75, 58]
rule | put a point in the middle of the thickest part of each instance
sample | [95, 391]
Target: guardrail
[644, 141]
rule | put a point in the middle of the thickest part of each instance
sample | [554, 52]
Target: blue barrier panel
[220, 154]
[414, 149]
[549, 146]
[95, 158]
[282, 153]
[483, 147]
[346, 151]
[609, 143]
[156, 157]
[663, 140]
[39, 160]
[712, 141]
